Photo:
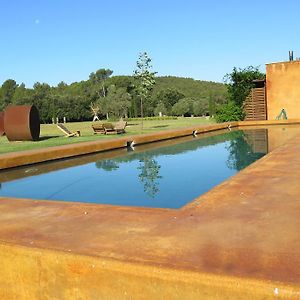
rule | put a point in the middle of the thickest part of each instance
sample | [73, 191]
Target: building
[281, 90]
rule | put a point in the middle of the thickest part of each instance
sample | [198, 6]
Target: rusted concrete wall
[38, 274]
[283, 89]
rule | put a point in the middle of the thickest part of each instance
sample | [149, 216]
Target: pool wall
[30, 273]
[241, 240]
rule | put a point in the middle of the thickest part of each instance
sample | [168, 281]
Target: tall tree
[183, 107]
[116, 103]
[7, 92]
[20, 94]
[169, 97]
[145, 79]
[99, 77]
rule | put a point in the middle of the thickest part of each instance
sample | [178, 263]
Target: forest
[115, 97]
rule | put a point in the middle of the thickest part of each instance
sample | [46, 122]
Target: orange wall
[283, 89]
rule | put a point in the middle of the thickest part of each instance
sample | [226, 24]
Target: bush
[229, 112]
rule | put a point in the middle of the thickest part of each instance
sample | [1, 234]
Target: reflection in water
[149, 175]
[107, 165]
[246, 148]
[148, 167]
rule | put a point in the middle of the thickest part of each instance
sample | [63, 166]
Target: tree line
[116, 96]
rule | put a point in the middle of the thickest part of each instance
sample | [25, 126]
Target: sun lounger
[109, 128]
[98, 128]
[120, 126]
[66, 131]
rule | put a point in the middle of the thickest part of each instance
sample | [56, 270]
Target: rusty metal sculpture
[22, 123]
[1, 123]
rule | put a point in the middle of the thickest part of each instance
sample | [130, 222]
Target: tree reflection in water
[148, 167]
[242, 150]
[149, 175]
[107, 165]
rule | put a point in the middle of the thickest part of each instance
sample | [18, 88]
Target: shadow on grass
[132, 124]
[44, 138]
[160, 126]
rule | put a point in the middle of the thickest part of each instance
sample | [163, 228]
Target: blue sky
[52, 41]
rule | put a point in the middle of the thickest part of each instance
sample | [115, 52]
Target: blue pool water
[168, 177]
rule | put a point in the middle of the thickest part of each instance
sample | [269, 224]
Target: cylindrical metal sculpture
[1, 123]
[22, 123]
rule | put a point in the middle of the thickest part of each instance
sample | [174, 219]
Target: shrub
[229, 112]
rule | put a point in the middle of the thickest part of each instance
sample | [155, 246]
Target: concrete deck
[241, 240]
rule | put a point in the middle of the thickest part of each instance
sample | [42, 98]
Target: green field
[52, 136]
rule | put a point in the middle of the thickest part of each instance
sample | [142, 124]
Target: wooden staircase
[255, 105]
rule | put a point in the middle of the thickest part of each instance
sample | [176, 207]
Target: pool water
[167, 177]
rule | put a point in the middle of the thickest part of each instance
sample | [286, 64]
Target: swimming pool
[166, 175]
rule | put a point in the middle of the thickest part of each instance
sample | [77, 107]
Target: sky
[52, 41]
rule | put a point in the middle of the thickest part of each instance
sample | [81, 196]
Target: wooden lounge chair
[98, 128]
[120, 126]
[109, 128]
[66, 131]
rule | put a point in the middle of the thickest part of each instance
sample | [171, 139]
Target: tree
[7, 92]
[99, 78]
[240, 82]
[117, 102]
[160, 109]
[145, 79]
[169, 97]
[62, 87]
[200, 107]
[42, 100]
[21, 93]
[183, 107]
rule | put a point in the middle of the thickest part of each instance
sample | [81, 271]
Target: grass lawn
[52, 136]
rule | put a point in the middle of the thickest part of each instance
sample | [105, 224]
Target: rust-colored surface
[1, 123]
[53, 275]
[241, 240]
[283, 89]
[22, 123]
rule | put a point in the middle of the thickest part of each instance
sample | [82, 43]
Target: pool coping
[230, 241]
